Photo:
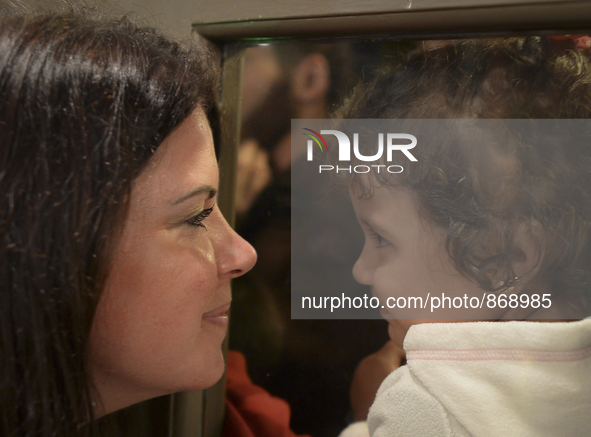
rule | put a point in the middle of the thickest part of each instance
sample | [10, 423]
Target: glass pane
[478, 206]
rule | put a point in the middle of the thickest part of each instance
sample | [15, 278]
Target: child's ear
[311, 79]
[529, 245]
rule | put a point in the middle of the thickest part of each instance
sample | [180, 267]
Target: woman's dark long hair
[84, 103]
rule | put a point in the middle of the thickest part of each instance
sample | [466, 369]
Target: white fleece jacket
[489, 379]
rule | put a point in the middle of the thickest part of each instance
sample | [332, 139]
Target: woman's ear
[311, 79]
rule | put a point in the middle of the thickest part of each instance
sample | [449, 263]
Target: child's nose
[361, 270]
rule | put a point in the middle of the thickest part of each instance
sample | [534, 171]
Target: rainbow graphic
[315, 138]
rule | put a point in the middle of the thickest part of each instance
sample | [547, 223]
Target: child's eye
[197, 220]
[380, 241]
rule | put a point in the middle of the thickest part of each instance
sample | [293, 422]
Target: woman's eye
[380, 241]
[197, 220]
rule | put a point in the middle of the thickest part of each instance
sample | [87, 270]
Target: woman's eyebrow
[196, 192]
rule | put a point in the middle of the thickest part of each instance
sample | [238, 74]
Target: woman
[115, 260]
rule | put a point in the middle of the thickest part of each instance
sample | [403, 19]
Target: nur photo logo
[386, 142]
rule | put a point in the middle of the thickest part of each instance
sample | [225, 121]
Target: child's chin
[397, 331]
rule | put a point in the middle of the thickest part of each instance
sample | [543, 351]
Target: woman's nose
[361, 270]
[235, 255]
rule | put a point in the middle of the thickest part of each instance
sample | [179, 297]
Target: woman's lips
[218, 315]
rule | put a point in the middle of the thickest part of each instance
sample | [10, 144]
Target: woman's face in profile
[162, 315]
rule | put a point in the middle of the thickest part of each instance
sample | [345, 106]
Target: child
[488, 209]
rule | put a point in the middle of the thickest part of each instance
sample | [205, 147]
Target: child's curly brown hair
[481, 194]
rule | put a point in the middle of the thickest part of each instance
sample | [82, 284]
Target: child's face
[405, 256]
